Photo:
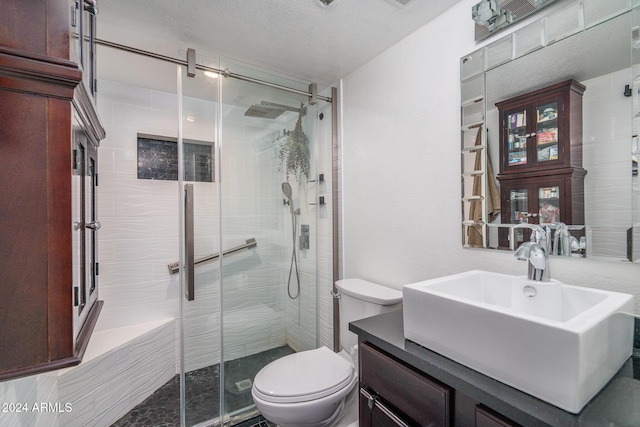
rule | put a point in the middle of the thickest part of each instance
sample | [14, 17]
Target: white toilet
[308, 389]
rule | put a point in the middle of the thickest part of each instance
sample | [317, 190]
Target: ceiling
[296, 37]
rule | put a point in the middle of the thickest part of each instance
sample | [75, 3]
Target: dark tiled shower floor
[162, 408]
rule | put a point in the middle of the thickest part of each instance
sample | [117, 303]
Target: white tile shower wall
[139, 234]
[140, 219]
[254, 311]
[304, 324]
[606, 137]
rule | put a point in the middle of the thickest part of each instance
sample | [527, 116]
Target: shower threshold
[162, 408]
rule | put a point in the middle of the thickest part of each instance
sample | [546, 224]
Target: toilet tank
[359, 299]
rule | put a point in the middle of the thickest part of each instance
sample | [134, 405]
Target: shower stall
[214, 170]
[246, 307]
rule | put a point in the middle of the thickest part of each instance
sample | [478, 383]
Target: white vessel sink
[561, 345]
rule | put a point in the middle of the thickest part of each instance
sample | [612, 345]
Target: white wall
[401, 168]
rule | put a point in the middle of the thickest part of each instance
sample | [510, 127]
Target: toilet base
[328, 423]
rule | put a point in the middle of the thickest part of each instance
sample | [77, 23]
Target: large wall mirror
[596, 45]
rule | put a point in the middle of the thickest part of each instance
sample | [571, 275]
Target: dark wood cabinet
[485, 417]
[541, 174]
[393, 393]
[47, 209]
[401, 391]
[542, 130]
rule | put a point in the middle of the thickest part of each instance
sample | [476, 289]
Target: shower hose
[294, 260]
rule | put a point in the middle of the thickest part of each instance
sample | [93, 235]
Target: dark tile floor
[162, 408]
[256, 422]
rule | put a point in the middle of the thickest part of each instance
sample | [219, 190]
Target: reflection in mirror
[598, 58]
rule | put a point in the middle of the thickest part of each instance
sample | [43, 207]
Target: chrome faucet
[535, 253]
[562, 240]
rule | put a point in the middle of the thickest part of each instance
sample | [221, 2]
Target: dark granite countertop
[617, 404]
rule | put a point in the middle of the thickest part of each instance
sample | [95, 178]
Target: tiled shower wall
[140, 233]
[140, 224]
[253, 306]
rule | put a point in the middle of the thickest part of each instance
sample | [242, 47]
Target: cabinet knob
[93, 225]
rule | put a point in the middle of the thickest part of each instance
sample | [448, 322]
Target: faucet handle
[538, 233]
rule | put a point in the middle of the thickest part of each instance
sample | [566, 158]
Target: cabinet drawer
[487, 418]
[374, 413]
[423, 400]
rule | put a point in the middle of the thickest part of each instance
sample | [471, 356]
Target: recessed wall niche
[158, 159]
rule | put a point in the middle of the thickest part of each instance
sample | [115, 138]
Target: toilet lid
[303, 376]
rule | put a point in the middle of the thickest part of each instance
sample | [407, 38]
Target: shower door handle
[189, 261]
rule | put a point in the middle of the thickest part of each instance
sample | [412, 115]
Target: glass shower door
[249, 186]
[268, 193]
[200, 303]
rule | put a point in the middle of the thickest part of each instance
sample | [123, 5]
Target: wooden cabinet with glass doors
[541, 174]
[49, 137]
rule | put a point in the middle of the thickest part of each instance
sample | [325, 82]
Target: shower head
[288, 192]
[268, 110]
[263, 111]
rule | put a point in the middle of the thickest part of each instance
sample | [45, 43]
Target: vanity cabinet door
[410, 395]
[487, 418]
[374, 413]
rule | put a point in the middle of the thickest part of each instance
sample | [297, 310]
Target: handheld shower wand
[288, 192]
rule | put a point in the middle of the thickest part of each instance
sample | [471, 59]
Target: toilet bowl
[305, 389]
[308, 389]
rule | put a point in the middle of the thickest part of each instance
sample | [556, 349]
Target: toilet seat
[304, 376]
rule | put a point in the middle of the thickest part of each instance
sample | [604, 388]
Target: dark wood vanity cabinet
[393, 393]
[49, 135]
[541, 174]
[396, 393]
[485, 417]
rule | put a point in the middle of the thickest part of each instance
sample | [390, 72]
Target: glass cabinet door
[549, 204]
[519, 207]
[92, 224]
[516, 127]
[547, 132]
[519, 204]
